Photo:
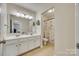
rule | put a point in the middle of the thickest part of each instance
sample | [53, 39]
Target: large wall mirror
[21, 20]
[19, 25]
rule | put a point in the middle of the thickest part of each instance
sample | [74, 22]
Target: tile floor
[47, 50]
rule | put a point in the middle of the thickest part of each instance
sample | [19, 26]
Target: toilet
[45, 40]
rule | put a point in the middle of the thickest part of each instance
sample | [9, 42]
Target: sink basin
[17, 35]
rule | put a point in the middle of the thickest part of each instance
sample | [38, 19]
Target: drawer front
[11, 42]
[29, 38]
[23, 39]
[35, 37]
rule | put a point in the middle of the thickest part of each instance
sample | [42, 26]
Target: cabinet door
[31, 44]
[11, 50]
[34, 42]
[23, 47]
[0, 50]
[37, 42]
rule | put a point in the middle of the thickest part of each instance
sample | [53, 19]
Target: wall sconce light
[38, 22]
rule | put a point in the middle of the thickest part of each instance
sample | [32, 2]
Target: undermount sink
[17, 35]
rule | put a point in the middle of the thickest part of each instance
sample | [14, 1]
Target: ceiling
[37, 7]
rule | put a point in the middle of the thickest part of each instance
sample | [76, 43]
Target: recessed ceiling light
[51, 10]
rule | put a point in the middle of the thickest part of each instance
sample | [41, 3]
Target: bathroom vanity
[21, 44]
[20, 31]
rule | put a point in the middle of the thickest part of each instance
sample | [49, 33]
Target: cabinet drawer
[35, 37]
[23, 39]
[11, 42]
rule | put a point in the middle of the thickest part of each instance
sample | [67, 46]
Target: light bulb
[18, 14]
[50, 11]
[30, 17]
[22, 15]
[26, 16]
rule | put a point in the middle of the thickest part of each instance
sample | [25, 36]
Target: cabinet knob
[16, 45]
[19, 44]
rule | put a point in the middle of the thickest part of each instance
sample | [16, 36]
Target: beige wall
[77, 22]
[64, 29]
[77, 27]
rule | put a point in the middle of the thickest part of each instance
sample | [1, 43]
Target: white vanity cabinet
[11, 48]
[21, 45]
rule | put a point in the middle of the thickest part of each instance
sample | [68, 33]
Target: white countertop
[20, 36]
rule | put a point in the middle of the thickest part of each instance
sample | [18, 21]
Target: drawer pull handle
[19, 44]
[16, 45]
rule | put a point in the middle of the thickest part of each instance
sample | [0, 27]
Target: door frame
[42, 23]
